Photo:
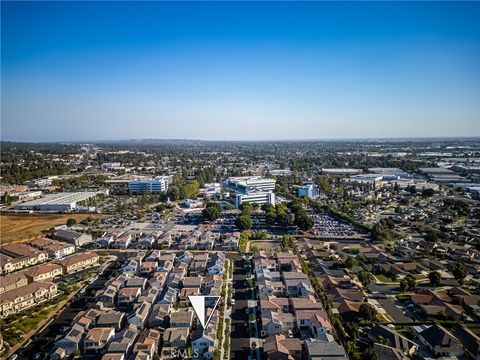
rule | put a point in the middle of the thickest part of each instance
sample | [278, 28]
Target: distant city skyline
[92, 71]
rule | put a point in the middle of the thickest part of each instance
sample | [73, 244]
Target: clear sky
[248, 71]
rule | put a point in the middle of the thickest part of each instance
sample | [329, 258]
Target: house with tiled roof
[274, 323]
[98, 338]
[203, 341]
[126, 296]
[320, 324]
[140, 316]
[124, 341]
[72, 341]
[320, 350]
[182, 318]
[112, 318]
[176, 337]
[87, 318]
[278, 347]
[273, 303]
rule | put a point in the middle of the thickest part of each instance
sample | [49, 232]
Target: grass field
[23, 227]
[385, 279]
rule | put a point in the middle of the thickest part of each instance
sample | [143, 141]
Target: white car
[232, 302]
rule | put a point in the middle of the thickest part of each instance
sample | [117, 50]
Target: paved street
[240, 336]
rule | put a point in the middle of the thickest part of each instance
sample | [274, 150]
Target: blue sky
[226, 70]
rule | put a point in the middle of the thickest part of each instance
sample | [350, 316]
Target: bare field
[23, 227]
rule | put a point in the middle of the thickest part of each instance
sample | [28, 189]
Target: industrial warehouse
[60, 202]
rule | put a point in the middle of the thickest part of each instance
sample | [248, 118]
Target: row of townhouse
[144, 306]
[183, 330]
[95, 332]
[294, 324]
[199, 239]
[29, 287]
[17, 256]
[78, 262]
[48, 271]
[55, 249]
[26, 296]
[14, 257]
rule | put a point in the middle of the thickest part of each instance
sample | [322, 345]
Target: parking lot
[327, 226]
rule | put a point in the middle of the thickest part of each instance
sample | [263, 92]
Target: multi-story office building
[157, 184]
[247, 184]
[258, 197]
[251, 189]
[310, 191]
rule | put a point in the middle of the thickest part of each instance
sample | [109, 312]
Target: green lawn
[386, 279]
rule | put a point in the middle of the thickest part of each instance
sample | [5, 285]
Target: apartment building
[78, 262]
[13, 281]
[43, 272]
[26, 296]
[55, 249]
[17, 256]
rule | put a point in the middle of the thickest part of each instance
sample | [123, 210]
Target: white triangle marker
[198, 304]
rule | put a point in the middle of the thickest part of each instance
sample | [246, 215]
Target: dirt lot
[23, 227]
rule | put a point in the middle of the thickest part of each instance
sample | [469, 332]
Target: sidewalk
[226, 315]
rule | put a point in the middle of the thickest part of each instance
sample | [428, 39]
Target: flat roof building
[341, 171]
[251, 189]
[59, 202]
[158, 184]
[259, 197]
[247, 184]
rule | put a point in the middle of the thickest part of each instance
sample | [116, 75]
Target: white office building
[247, 184]
[157, 184]
[258, 197]
[251, 189]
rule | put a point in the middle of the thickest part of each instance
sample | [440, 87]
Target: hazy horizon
[353, 139]
[229, 71]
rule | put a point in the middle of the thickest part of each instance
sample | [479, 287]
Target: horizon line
[399, 138]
